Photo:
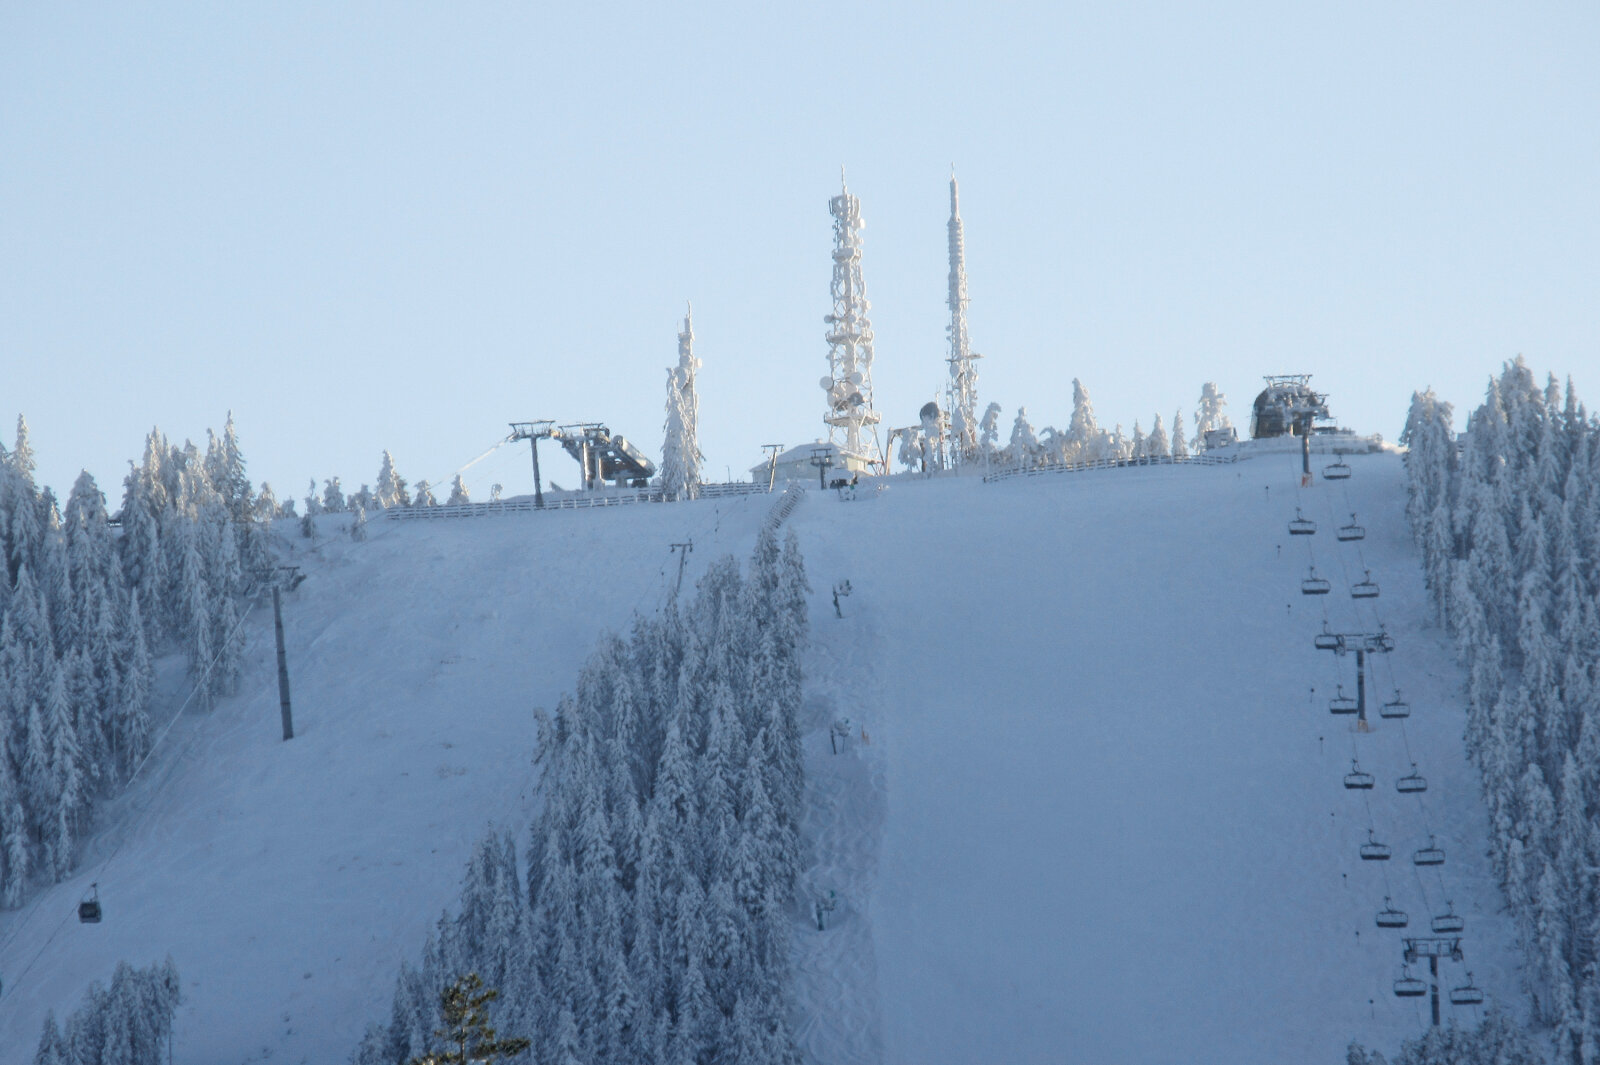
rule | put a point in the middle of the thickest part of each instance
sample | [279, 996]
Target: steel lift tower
[963, 371]
[850, 416]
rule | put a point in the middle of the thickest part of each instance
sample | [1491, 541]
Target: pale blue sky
[402, 226]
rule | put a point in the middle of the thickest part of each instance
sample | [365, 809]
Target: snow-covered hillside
[1086, 807]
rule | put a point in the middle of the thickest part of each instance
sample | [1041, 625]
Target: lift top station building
[1288, 407]
[803, 463]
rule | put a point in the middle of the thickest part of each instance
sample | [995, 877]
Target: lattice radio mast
[963, 370]
[849, 381]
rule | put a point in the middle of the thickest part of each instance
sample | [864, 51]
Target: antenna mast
[963, 371]
[849, 381]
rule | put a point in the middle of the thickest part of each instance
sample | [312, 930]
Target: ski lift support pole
[772, 464]
[283, 666]
[683, 550]
[1433, 949]
[531, 432]
[823, 461]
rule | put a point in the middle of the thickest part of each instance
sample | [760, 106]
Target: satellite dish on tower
[827, 384]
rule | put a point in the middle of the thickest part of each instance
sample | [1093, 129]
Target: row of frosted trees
[128, 1023]
[1509, 526]
[652, 920]
[1083, 440]
[82, 611]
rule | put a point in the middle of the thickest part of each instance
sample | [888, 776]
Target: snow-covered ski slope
[1087, 808]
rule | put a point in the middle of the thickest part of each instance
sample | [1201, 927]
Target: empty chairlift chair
[1366, 589]
[89, 908]
[1373, 851]
[1342, 703]
[1315, 585]
[1301, 525]
[1326, 640]
[1432, 854]
[1449, 922]
[1412, 783]
[1396, 707]
[1466, 995]
[1337, 471]
[1389, 917]
[1409, 986]
[1352, 531]
[1356, 780]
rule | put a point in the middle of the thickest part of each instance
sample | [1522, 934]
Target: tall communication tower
[849, 382]
[963, 370]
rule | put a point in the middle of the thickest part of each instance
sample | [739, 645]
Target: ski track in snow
[1096, 815]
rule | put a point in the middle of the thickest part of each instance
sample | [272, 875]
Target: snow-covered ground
[1086, 810]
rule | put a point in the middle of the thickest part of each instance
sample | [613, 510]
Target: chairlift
[1337, 471]
[1356, 780]
[1412, 783]
[89, 908]
[1301, 525]
[1342, 703]
[1367, 589]
[1466, 995]
[1373, 851]
[1389, 917]
[1315, 585]
[1396, 707]
[1409, 986]
[1449, 922]
[1326, 640]
[1432, 854]
[1352, 531]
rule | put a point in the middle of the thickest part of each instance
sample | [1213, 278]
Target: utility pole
[683, 550]
[772, 463]
[283, 666]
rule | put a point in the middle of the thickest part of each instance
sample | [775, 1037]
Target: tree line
[650, 920]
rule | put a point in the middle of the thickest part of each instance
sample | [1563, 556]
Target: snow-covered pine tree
[391, 486]
[1211, 414]
[1180, 446]
[458, 492]
[1156, 445]
[332, 496]
[1023, 449]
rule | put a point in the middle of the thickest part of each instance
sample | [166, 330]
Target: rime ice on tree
[963, 371]
[680, 453]
[849, 381]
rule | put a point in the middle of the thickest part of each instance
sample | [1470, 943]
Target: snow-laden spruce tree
[681, 460]
[1083, 430]
[458, 492]
[1180, 446]
[1155, 444]
[129, 1023]
[1211, 414]
[391, 486]
[1023, 450]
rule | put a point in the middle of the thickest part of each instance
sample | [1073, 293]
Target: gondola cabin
[89, 908]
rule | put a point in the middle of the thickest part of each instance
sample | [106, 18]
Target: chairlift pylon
[1373, 851]
[1315, 585]
[1302, 525]
[89, 908]
[1449, 922]
[1342, 703]
[1432, 854]
[1336, 471]
[1365, 589]
[1356, 780]
[1389, 917]
[1409, 986]
[1412, 783]
[1396, 707]
[1352, 531]
[1466, 995]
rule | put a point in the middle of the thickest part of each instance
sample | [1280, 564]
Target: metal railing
[1203, 459]
[572, 502]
